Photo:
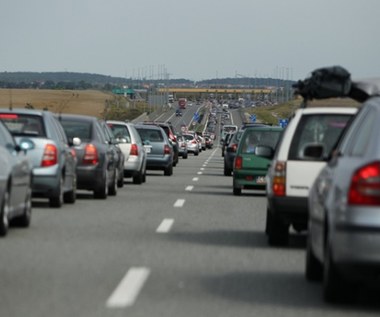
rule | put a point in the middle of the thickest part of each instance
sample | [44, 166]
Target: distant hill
[71, 80]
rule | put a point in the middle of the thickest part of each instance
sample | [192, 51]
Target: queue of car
[321, 177]
[50, 156]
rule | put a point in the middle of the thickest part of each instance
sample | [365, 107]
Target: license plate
[261, 180]
[148, 149]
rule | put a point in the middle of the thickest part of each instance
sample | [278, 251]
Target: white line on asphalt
[202, 169]
[165, 226]
[199, 173]
[189, 188]
[129, 287]
[179, 203]
[195, 179]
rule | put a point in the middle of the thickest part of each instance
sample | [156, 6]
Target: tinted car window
[73, 129]
[254, 138]
[120, 132]
[323, 129]
[6, 138]
[24, 124]
[151, 135]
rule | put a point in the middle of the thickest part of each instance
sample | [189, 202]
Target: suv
[294, 169]
[169, 130]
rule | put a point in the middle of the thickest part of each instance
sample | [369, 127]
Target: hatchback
[191, 143]
[98, 162]
[53, 160]
[158, 148]
[253, 156]
[15, 182]
[343, 246]
[133, 149]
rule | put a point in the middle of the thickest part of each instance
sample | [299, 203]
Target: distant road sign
[252, 118]
[283, 122]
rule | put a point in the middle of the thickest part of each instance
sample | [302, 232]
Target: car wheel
[138, 178]
[278, 231]
[70, 196]
[335, 289]
[57, 200]
[184, 156]
[144, 176]
[112, 189]
[102, 191]
[227, 171]
[24, 219]
[169, 170]
[314, 268]
[120, 180]
[4, 214]
[196, 153]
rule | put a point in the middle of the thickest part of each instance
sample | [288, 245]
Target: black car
[98, 167]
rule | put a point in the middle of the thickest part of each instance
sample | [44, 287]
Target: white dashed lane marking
[165, 226]
[179, 203]
[189, 188]
[129, 288]
[195, 179]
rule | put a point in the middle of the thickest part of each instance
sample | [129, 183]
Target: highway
[175, 246]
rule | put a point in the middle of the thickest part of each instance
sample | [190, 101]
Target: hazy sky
[193, 39]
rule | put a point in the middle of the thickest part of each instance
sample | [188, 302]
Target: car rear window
[323, 129]
[24, 124]
[151, 135]
[254, 138]
[77, 129]
[120, 131]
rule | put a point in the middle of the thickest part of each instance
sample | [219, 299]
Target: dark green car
[253, 156]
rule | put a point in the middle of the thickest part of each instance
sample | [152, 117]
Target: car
[253, 157]
[230, 153]
[133, 149]
[192, 143]
[293, 171]
[209, 142]
[160, 154]
[15, 182]
[178, 113]
[224, 142]
[182, 146]
[343, 240]
[202, 142]
[98, 161]
[170, 132]
[50, 153]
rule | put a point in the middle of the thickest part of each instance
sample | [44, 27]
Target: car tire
[184, 156]
[144, 176]
[70, 196]
[313, 268]
[120, 180]
[227, 171]
[196, 153]
[277, 230]
[102, 191]
[112, 189]
[169, 170]
[237, 191]
[138, 178]
[56, 201]
[24, 220]
[4, 221]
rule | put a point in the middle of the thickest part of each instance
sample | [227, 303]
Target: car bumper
[89, 177]
[132, 165]
[249, 179]
[153, 163]
[45, 181]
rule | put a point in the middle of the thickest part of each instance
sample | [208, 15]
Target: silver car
[192, 143]
[15, 183]
[52, 158]
[343, 245]
[133, 149]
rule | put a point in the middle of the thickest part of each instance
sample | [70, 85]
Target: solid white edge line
[165, 226]
[179, 203]
[129, 288]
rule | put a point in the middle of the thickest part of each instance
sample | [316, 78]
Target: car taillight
[238, 162]
[234, 147]
[167, 149]
[90, 155]
[50, 156]
[134, 150]
[194, 142]
[365, 186]
[279, 179]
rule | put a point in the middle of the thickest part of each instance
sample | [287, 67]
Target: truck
[182, 103]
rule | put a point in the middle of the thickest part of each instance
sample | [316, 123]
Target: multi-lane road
[175, 246]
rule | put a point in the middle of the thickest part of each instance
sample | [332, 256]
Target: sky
[192, 39]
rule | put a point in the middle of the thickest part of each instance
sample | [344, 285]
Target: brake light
[238, 162]
[167, 149]
[50, 156]
[90, 155]
[279, 179]
[234, 147]
[365, 186]
[194, 142]
[8, 116]
[134, 150]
